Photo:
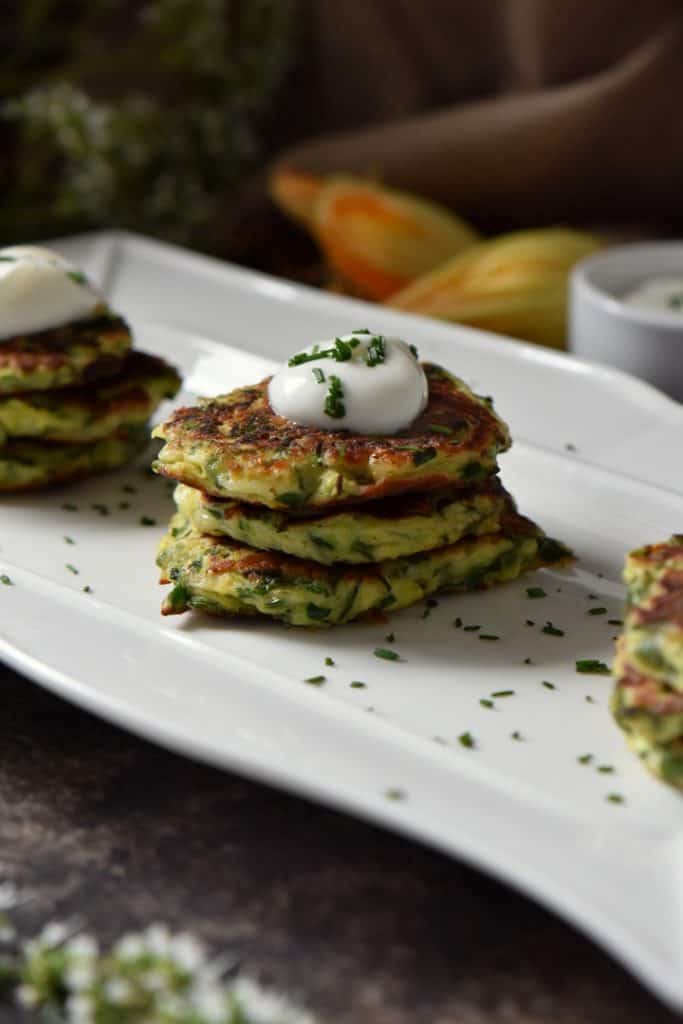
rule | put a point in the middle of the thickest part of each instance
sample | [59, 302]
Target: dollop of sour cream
[361, 382]
[39, 290]
[661, 294]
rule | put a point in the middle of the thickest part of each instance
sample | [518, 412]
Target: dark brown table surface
[359, 925]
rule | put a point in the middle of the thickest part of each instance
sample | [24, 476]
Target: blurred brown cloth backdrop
[512, 112]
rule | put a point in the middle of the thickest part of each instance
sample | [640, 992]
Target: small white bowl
[605, 329]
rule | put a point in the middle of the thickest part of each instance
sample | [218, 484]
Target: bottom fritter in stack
[318, 527]
[648, 698]
[75, 401]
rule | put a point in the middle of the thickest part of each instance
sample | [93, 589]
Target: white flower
[117, 991]
[263, 1007]
[9, 896]
[210, 1002]
[187, 952]
[130, 947]
[27, 996]
[83, 946]
[54, 934]
[79, 1010]
[157, 939]
[80, 975]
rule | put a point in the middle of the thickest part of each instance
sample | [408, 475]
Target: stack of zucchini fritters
[648, 698]
[317, 527]
[75, 401]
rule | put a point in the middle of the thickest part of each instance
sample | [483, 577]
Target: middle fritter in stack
[321, 526]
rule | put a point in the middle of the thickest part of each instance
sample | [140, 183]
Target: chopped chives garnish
[315, 680]
[69, 540]
[382, 652]
[395, 794]
[329, 661]
[129, 489]
[458, 623]
[390, 638]
[69, 507]
[71, 568]
[551, 630]
[318, 374]
[606, 769]
[147, 521]
[5, 580]
[615, 622]
[585, 759]
[465, 739]
[376, 351]
[591, 666]
[334, 403]
[615, 798]
[528, 661]
[503, 693]
[535, 592]
[597, 611]
[548, 686]
[488, 636]
[589, 699]
[516, 735]
[358, 685]
[485, 703]
[529, 622]
[471, 629]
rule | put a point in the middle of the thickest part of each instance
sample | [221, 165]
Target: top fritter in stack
[321, 526]
[74, 398]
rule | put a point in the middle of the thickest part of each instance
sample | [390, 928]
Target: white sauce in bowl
[39, 290]
[661, 294]
[362, 382]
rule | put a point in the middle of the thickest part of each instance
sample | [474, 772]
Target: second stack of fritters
[75, 401]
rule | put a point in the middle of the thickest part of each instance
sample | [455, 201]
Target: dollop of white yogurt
[39, 290]
[662, 294]
[362, 382]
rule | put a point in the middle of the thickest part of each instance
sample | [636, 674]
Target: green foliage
[146, 118]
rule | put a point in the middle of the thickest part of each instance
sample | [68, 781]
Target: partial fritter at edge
[647, 702]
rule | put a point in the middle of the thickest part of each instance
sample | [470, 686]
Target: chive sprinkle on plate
[592, 666]
[382, 652]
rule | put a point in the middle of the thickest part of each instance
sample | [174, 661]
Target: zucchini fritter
[235, 446]
[92, 413]
[371, 532]
[223, 577]
[31, 465]
[68, 356]
[653, 636]
[647, 702]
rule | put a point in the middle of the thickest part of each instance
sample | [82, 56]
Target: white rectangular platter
[520, 803]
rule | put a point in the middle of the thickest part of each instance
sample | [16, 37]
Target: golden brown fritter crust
[236, 446]
[77, 353]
